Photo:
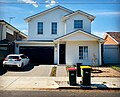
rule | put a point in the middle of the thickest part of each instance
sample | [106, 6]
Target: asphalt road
[62, 93]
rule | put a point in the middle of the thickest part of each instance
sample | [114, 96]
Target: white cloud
[25, 31]
[108, 13]
[50, 3]
[34, 3]
[99, 34]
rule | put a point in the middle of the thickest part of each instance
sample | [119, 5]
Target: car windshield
[13, 57]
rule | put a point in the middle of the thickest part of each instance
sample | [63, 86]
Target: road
[62, 93]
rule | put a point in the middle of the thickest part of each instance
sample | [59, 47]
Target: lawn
[116, 67]
[53, 72]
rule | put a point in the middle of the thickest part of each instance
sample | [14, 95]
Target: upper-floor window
[40, 27]
[78, 24]
[54, 27]
[83, 52]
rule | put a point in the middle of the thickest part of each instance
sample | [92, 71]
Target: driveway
[30, 70]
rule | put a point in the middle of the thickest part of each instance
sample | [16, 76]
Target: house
[8, 34]
[61, 36]
[112, 48]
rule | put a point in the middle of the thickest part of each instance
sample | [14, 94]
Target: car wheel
[22, 66]
[5, 67]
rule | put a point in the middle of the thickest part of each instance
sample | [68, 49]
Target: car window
[23, 56]
[13, 57]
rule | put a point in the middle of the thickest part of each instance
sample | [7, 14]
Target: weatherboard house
[61, 36]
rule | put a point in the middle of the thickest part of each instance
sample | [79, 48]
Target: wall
[72, 52]
[63, 27]
[53, 16]
[70, 23]
[109, 41]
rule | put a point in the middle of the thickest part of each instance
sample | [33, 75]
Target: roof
[53, 8]
[34, 41]
[79, 30]
[114, 35]
[4, 22]
[91, 17]
[15, 54]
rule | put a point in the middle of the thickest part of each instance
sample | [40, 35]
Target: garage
[111, 54]
[41, 55]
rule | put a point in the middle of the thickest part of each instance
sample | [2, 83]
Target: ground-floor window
[83, 52]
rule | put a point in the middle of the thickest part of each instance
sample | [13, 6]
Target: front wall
[53, 16]
[70, 23]
[79, 36]
[72, 52]
[109, 41]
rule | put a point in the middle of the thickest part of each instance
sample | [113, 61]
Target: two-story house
[8, 34]
[61, 36]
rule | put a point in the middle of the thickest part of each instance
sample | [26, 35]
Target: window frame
[84, 54]
[40, 28]
[54, 28]
[78, 24]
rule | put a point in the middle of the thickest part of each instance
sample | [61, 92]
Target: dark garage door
[41, 55]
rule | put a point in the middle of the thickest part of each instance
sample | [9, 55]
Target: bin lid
[85, 67]
[72, 69]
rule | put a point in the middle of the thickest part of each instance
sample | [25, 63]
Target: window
[54, 28]
[40, 27]
[78, 24]
[83, 52]
[23, 56]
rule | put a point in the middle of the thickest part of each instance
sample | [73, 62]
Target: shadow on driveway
[24, 69]
[2, 71]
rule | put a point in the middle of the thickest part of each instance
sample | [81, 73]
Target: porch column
[58, 53]
[100, 57]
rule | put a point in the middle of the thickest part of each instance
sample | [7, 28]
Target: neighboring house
[8, 34]
[61, 36]
[112, 48]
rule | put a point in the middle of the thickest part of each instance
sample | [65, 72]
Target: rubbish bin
[86, 75]
[78, 69]
[72, 76]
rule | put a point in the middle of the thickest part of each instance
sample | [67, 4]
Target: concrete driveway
[30, 70]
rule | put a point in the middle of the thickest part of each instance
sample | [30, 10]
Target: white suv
[19, 60]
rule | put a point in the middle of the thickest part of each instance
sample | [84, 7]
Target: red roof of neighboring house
[115, 35]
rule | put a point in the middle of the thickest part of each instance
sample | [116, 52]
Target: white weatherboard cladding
[10, 31]
[72, 52]
[79, 36]
[70, 23]
[47, 19]
[4, 32]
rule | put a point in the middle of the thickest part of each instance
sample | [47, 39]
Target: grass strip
[116, 68]
[53, 72]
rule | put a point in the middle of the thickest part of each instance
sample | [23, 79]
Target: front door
[62, 54]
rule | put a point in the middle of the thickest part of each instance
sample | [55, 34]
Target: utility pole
[10, 19]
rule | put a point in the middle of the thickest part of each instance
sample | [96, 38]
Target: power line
[60, 3]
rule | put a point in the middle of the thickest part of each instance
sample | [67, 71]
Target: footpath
[51, 83]
[108, 79]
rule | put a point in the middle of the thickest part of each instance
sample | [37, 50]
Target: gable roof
[91, 17]
[79, 30]
[48, 10]
[113, 35]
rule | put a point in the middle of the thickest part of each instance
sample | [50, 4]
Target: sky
[107, 12]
